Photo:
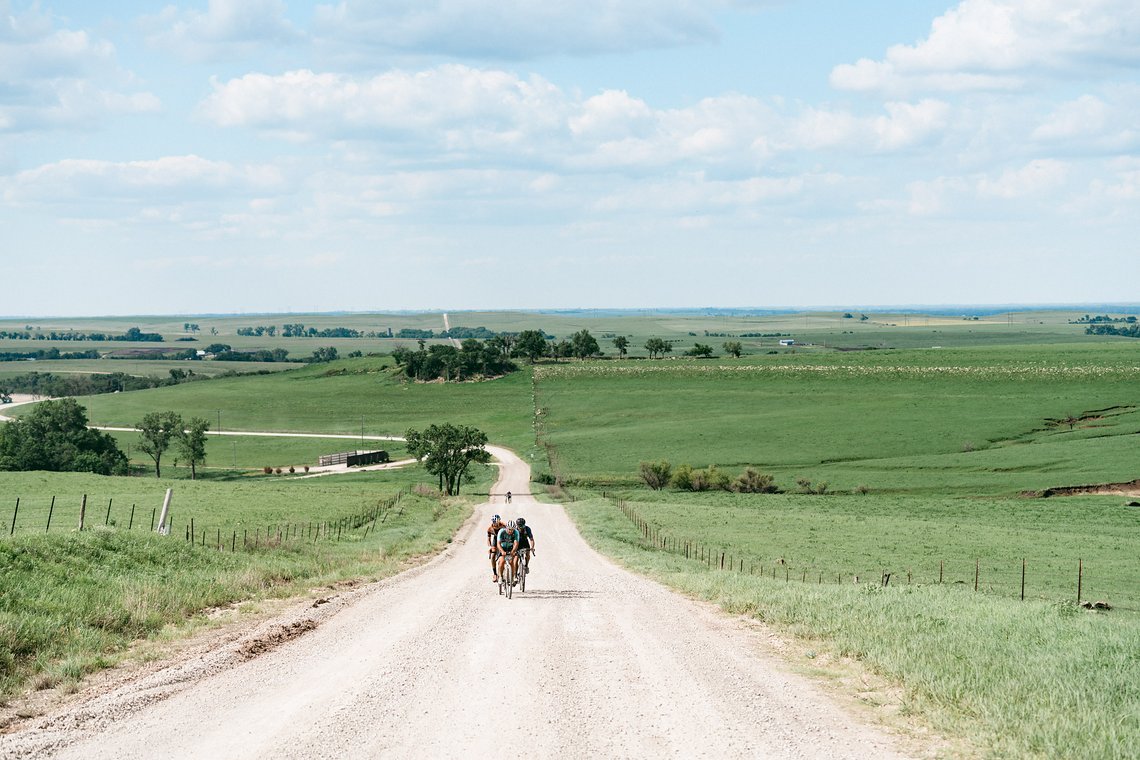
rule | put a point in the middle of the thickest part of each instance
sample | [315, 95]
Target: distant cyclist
[507, 543]
[508, 497]
[526, 541]
[497, 524]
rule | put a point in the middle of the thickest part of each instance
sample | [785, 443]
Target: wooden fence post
[1023, 579]
[50, 510]
[107, 519]
[83, 511]
[977, 571]
[12, 532]
[163, 525]
[131, 524]
[1080, 577]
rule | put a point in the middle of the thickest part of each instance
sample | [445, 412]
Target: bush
[291, 469]
[752, 481]
[544, 477]
[656, 474]
[267, 470]
[683, 478]
[711, 479]
[805, 486]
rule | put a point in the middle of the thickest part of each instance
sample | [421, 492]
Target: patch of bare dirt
[1130, 488]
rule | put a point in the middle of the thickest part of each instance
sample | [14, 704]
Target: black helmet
[521, 522]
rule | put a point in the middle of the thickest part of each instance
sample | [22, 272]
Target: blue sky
[263, 155]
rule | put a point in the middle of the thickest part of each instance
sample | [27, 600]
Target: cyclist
[507, 542]
[526, 541]
[508, 497]
[492, 550]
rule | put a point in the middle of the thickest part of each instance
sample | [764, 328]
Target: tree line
[133, 334]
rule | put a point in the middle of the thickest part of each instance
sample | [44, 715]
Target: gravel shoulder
[590, 661]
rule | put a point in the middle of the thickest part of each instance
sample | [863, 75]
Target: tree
[733, 347]
[657, 347]
[192, 444]
[156, 431]
[655, 474]
[621, 343]
[54, 436]
[584, 345]
[531, 344]
[447, 451]
[701, 350]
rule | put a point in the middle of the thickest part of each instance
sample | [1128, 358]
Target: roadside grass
[1016, 679]
[74, 602]
[1093, 540]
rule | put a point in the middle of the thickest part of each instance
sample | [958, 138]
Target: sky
[240, 156]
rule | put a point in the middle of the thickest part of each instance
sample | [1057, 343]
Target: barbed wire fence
[55, 515]
[1016, 579]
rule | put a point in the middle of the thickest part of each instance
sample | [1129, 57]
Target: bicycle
[508, 497]
[506, 579]
[524, 568]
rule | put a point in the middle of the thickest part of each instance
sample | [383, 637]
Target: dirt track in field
[591, 661]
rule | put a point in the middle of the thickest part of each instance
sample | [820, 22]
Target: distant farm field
[986, 420]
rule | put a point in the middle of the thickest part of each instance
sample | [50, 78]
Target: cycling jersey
[507, 539]
[526, 537]
[493, 531]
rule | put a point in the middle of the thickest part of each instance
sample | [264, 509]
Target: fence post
[12, 532]
[163, 527]
[940, 571]
[107, 519]
[82, 511]
[977, 571]
[131, 524]
[50, 510]
[1080, 578]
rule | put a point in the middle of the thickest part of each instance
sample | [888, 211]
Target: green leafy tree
[655, 474]
[700, 350]
[657, 347]
[156, 431]
[584, 345]
[733, 348]
[447, 451]
[531, 344]
[54, 436]
[621, 343]
[192, 444]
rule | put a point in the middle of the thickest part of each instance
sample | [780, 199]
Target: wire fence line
[983, 578]
[57, 515]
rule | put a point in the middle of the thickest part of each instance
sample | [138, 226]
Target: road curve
[591, 661]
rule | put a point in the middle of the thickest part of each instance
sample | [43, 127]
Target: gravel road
[591, 661]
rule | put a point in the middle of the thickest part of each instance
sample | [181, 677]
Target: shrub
[683, 478]
[863, 489]
[544, 477]
[805, 486]
[752, 481]
[267, 470]
[656, 474]
[306, 468]
[291, 469]
[278, 470]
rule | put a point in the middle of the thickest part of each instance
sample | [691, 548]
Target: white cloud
[58, 77]
[1035, 178]
[902, 126]
[180, 177]
[226, 29]
[999, 44]
[1084, 116]
[514, 29]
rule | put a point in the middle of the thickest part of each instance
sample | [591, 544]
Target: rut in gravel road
[591, 661]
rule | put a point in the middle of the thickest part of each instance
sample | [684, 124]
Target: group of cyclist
[510, 541]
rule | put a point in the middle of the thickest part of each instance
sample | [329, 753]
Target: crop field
[873, 419]
[757, 332]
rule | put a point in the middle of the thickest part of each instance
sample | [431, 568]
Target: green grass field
[1004, 678]
[926, 444]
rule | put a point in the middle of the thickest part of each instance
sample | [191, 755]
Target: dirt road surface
[590, 662]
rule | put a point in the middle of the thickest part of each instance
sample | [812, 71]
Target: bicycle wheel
[522, 575]
[510, 579]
